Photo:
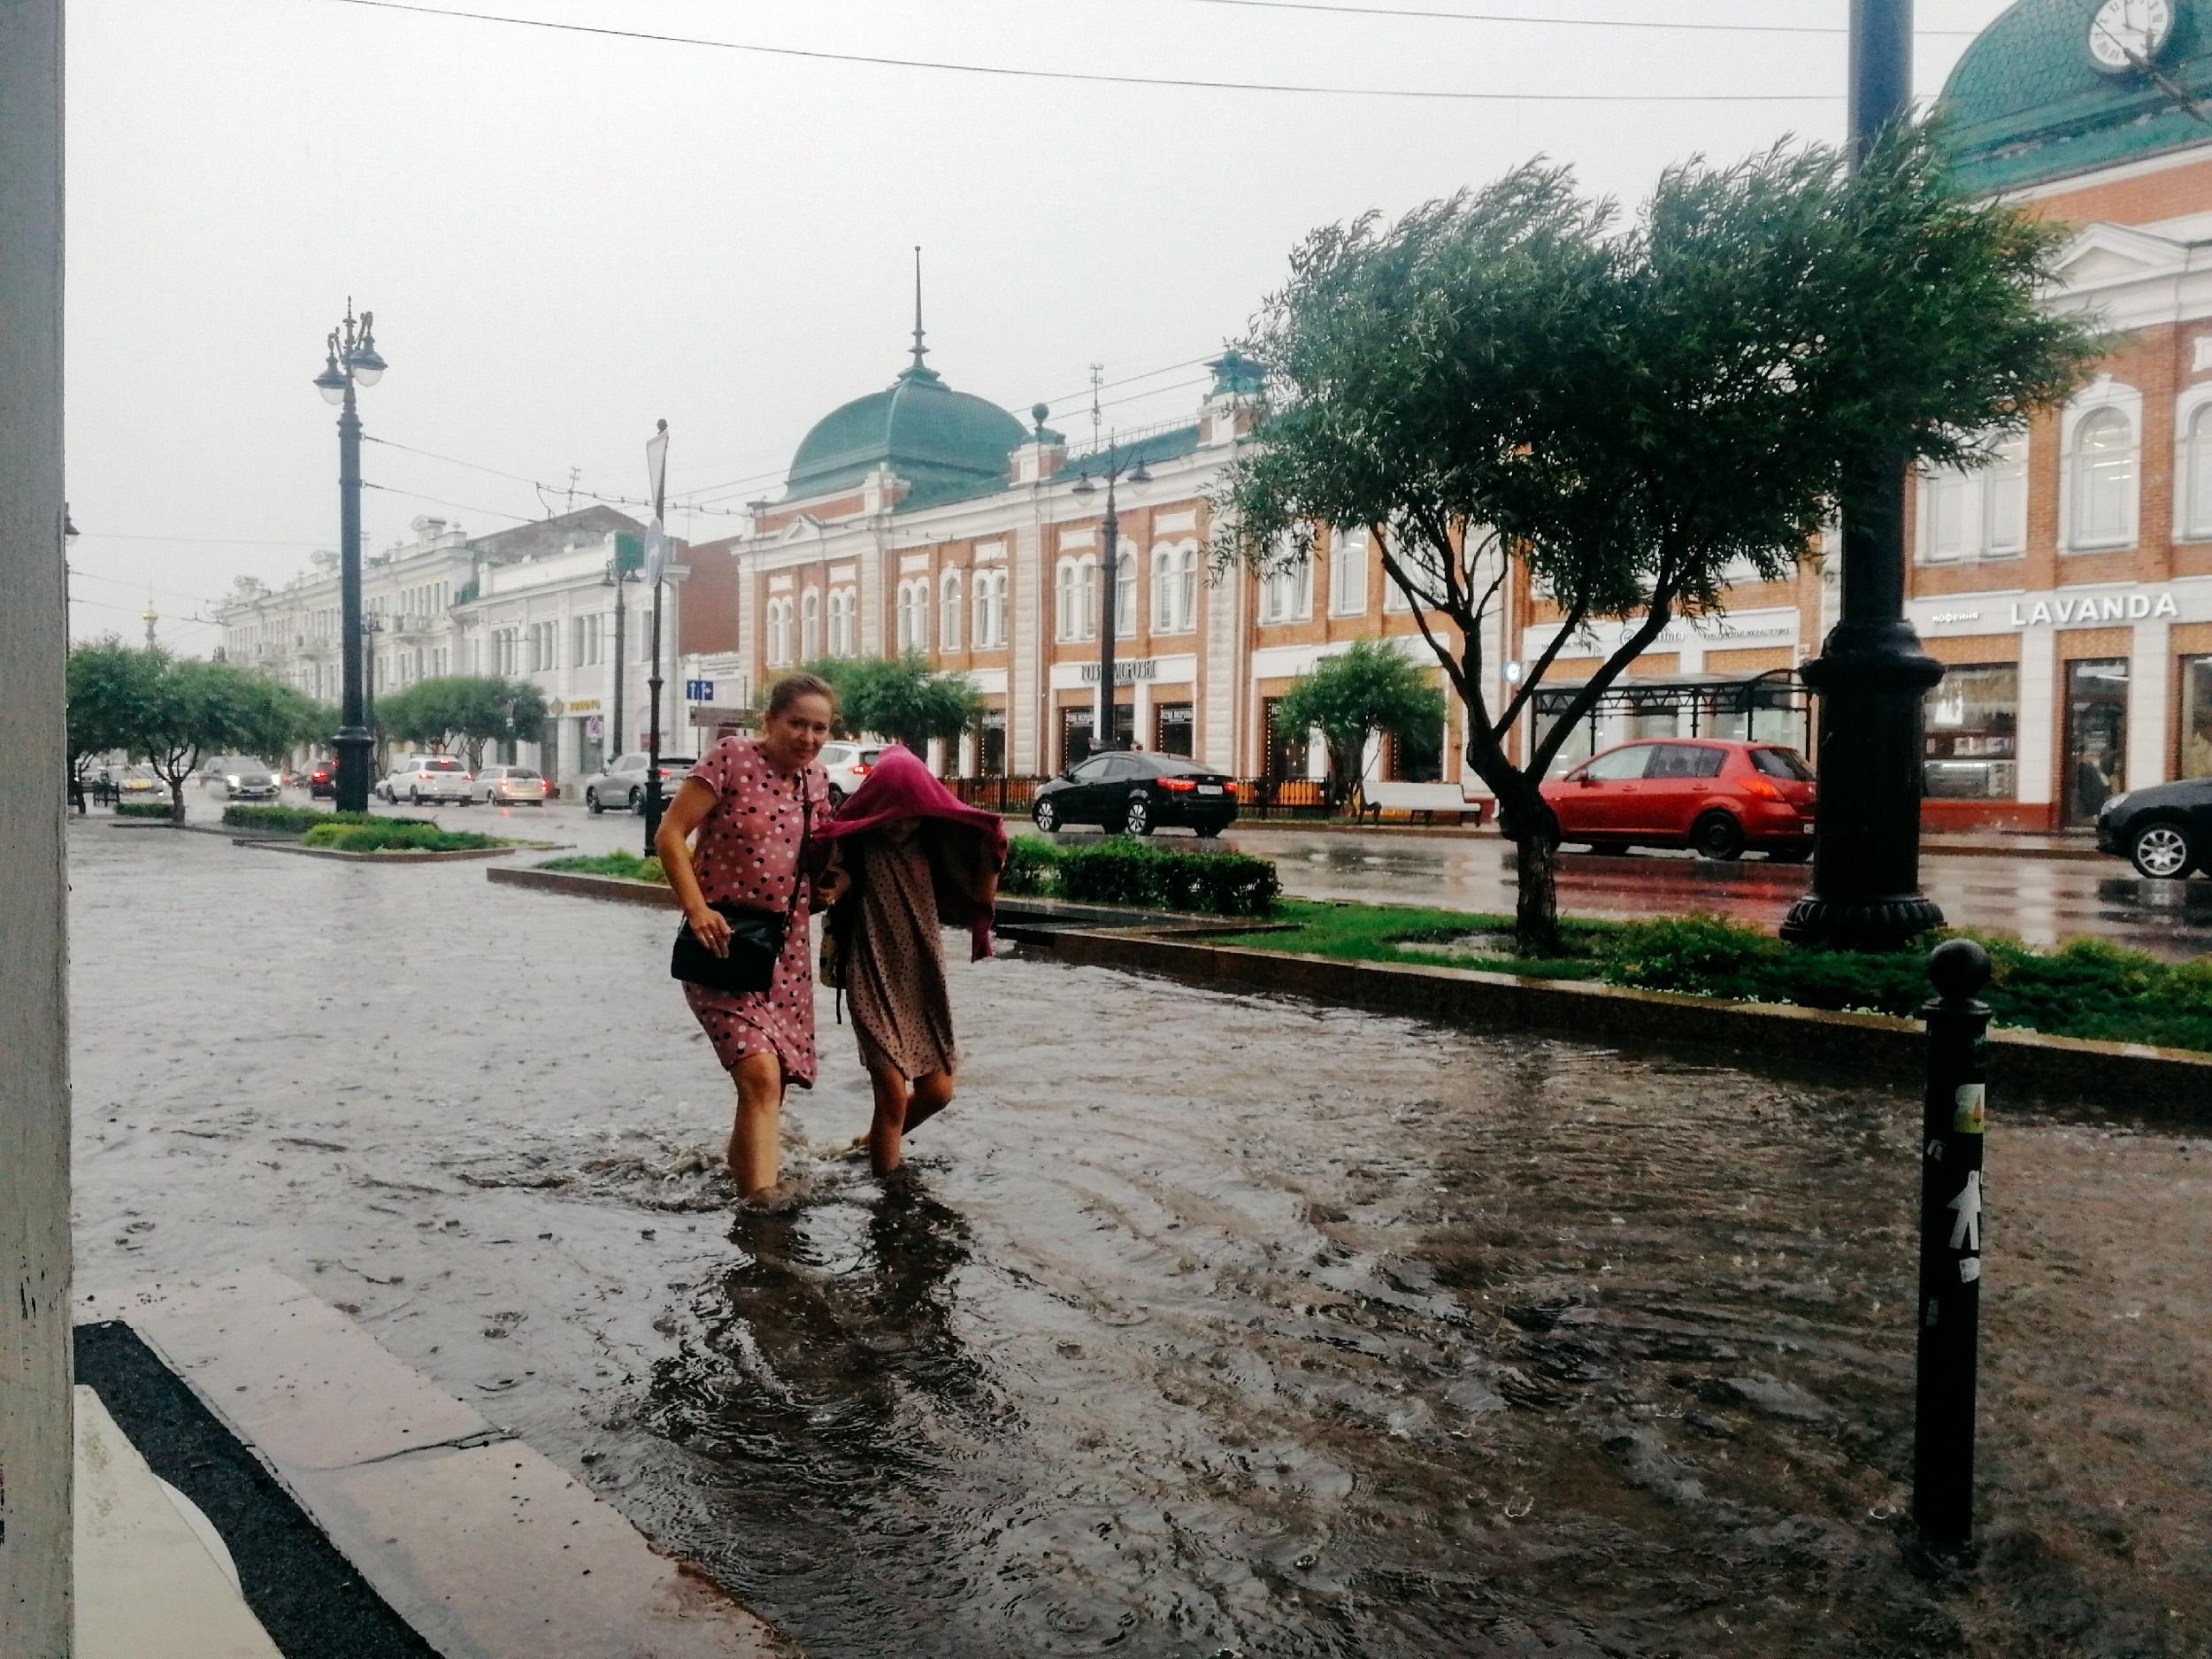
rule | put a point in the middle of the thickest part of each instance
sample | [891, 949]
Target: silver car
[241, 778]
[416, 779]
[621, 788]
[509, 786]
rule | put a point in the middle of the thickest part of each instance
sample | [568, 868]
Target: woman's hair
[791, 688]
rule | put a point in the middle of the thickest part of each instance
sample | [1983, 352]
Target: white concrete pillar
[1141, 730]
[2150, 679]
[2042, 711]
[36, 1403]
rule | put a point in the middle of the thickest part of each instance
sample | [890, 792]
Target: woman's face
[794, 738]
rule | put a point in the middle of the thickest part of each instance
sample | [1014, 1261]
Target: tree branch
[1663, 597]
[1537, 669]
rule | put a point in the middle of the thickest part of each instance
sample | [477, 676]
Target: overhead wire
[457, 506]
[1092, 77]
[1546, 20]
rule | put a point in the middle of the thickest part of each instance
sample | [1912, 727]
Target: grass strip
[2086, 989]
[299, 819]
[620, 866]
[384, 835]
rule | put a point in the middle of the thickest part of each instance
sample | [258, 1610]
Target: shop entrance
[2096, 736]
[1173, 729]
[1075, 732]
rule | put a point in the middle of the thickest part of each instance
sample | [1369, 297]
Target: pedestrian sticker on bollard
[1966, 1231]
[1971, 1270]
[1967, 1120]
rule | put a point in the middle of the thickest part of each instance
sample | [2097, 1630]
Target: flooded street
[1203, 1324]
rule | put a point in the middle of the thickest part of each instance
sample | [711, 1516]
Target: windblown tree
[1369, 688]
[900, 698]
[1515, 380]
[188, 712]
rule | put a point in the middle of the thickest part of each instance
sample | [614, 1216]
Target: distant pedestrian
[755, 802]
[907, 859]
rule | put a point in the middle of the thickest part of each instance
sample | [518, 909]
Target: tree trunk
[176, 799]
[1532, 827]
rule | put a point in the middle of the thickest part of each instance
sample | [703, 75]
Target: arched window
[948, 613]
[1067, 614]
[1087, 598]
[1286, 590]
[810, 626]
[1186, 589]
[779, 632]
[1125, 594]
[2196, 475]
[990, 609]
[1164, 590]
[841, 622]
[2104, 467]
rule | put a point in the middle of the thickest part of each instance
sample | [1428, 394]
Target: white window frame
[948, 594]
[1286, 591]
[2104, 396]
[990, 609]
[1348, 571]
[1126, 593]
[810, 625]
[2193, 516]
[1988, 530]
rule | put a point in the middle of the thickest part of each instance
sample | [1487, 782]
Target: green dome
[942, 442]
[2028, 104]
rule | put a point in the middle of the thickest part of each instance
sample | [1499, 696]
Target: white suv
[416, 779]
[847, 763]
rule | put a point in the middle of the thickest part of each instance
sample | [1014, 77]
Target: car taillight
[1760, 787]
[859, 770]
[1178, 786]
[1228, 789]
[423, 776]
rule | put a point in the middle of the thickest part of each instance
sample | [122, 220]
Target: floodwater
[1204, 1324]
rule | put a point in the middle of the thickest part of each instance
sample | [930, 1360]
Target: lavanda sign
[2094, 608]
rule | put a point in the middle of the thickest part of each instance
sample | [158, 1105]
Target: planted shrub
[385, 835]
[296, 819]
[1142, 875]
[142, 809]
[621, 866]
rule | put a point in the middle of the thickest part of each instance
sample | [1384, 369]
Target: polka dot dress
[746, 852]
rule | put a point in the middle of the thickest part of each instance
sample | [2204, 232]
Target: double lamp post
[1116, 467]
[352, 360]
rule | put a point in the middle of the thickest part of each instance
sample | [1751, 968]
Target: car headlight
[2112, 805]
[232, 779]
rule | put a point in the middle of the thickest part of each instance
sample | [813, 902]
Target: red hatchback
[1713, 796]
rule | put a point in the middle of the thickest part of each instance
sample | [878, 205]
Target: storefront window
[1173, 729]
[1972, 735]
[2196, 716]
[1416, 754]
[991, 752]
[1288, 752]
[2096, 735]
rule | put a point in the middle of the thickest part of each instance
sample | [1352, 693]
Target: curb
[376, 858]
[583, 887]
[2171, 1086]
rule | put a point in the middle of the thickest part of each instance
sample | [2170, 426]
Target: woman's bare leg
[886, 1149]
[932, 1094]
[755, 1138]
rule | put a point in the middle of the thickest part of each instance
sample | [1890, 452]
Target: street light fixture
[1119, 467]
[351, 358]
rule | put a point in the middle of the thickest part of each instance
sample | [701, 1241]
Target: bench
[1426, 800]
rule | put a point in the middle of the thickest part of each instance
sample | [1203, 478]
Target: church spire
[920, 351]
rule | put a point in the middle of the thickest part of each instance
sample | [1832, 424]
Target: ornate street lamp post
[656, 572]
[1116, 466]
[1871, 675]
[352, 359]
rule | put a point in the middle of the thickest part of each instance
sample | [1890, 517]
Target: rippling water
[1203, 1324]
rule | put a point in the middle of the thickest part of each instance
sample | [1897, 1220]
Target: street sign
[656, 551]
[629, 552]
[698, 691]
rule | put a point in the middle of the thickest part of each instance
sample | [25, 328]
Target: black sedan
[1137, 794]
[2165, 829]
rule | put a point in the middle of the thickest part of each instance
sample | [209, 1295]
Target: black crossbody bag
[757, 937]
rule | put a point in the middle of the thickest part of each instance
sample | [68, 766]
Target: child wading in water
[907, 859]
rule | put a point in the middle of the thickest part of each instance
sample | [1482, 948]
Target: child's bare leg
[932, 1094]
[885, 1150]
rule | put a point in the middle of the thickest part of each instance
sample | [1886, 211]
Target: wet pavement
[2044, 900]
[1204, 1324]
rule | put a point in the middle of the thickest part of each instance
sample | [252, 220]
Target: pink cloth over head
[966, 852]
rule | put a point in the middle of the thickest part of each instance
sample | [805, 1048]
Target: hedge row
[301, 819]
[1143, 875]
[621, 866]
[141, 809]
[394, 835]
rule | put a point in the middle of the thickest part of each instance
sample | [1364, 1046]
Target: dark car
[2165, 831]
[322, 780]
[1138, 793]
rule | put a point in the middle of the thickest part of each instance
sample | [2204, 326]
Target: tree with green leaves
[109, 687]
[1369, 688]
[899, 698]
[192, 710]
[463, 712]
[1632, 414]
[276, 718]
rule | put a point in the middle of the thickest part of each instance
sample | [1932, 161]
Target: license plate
[1808, 828]
[1209, 789]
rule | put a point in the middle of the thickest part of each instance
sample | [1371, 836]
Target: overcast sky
[565, 236]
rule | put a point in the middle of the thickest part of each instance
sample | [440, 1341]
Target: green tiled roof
[920, 428]
[2027, 105]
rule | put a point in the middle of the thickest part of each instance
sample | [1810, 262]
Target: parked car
[420, 778]
[622, 783]
[509, 786]
[2165, 831]
[1714, 797]
[241, 777]
[847, 763]
[139, 783]
[322, 780]
[1124, 790]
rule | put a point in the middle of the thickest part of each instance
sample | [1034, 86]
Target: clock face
[2123, 34]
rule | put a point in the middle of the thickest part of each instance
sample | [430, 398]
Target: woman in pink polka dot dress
[752, 801]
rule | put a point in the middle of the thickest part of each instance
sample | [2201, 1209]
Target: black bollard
[1950, 1243]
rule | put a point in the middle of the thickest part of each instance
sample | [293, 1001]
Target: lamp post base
[354, 745]
[1887, 923]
